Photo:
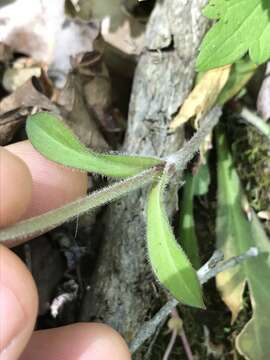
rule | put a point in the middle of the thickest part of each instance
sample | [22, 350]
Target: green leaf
[201, 180]
[53, 139]
[241, 73]
[169, 262]
[188, 237]
[236, 234]
[243, 26]
[195, 185]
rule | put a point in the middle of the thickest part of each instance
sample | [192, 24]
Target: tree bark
[121, 292]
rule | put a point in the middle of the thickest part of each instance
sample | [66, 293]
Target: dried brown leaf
[20, 71]
[203, 96]
[78, 106]
[25, 98]
[9, 124]
[15, 107]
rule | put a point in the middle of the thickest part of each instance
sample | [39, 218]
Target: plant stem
[186, 345]
[184, 155]
[170, 345]
[207, 271]
[35, 226]
[220, 267]
[256, 121]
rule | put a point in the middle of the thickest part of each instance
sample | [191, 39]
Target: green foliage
[169, 262]
[251, 154]
[242, 26]
[53, 139]
[188, 238]
[241, 73]
[194, 185]
[236, 234]
[202, 180]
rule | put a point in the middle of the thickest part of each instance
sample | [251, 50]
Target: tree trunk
[121, 291]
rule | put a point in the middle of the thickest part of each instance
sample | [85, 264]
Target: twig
[148, 353]
[186, 345]
[214, 267]
[251, 252]
[216, 258]
[170, 345]
[148, 328]
[182, 335]
[256, 121]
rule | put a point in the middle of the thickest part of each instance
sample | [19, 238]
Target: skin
[31, 185]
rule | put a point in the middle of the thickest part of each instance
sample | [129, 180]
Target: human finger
[15, 187]
[53, 185]
[83, 341]
[18, 305]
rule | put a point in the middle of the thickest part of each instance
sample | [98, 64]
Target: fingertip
[53, 185]
[112, 343]
[18, 305]
[15, 187]
[78, 341]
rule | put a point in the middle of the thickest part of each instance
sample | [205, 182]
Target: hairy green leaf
[169, 262]
[53, 139]
[236, 234]
[242, 26]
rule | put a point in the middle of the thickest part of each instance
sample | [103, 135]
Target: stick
[206, 272]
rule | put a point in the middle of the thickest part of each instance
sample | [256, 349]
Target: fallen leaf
[76, 101]
[122, 31]
[236, 234]
[45, 34]
[9, 124]
[26, 97]
[14, 108]
[21, 70]
[203, 97]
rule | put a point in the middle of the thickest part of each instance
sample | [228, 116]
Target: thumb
[15, 187]
[18, 305]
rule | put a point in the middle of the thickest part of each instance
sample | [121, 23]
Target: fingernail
[12, 317]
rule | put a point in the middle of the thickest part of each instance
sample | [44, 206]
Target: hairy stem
[184, 155]
[35, 226]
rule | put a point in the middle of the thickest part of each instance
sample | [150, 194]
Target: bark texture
[121, 292]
